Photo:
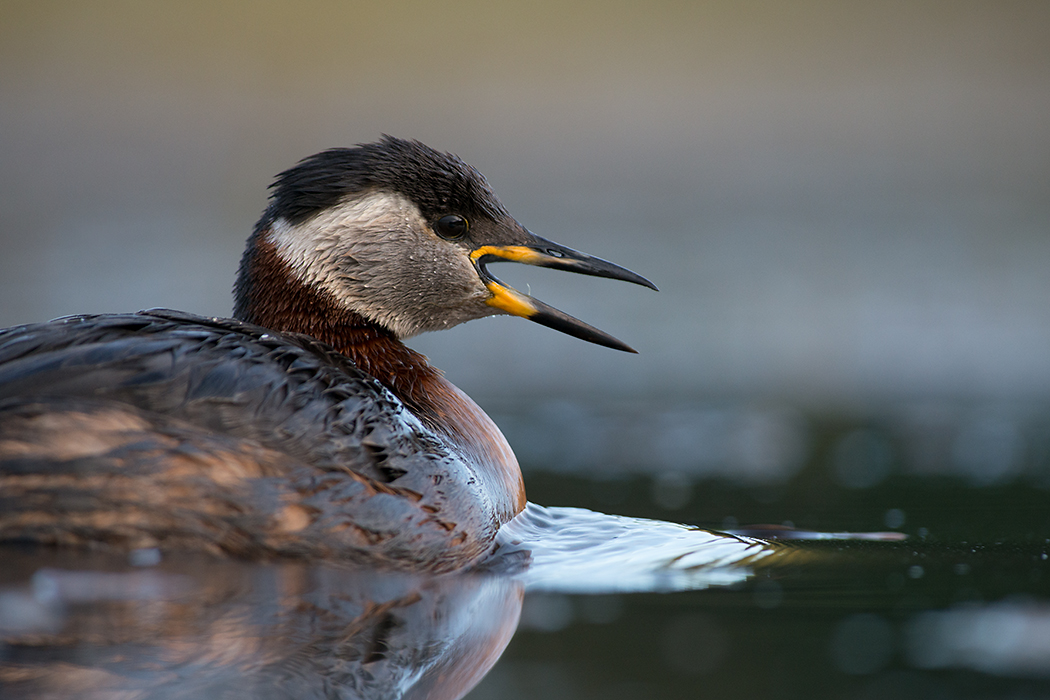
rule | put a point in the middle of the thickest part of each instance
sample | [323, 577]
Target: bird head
[403, 235]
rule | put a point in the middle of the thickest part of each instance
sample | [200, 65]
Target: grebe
[303, 426]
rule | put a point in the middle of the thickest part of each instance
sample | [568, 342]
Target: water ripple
[574, 550]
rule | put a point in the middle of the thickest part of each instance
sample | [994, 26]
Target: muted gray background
[846, 205]
[842, 202]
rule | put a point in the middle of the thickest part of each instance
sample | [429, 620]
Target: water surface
[591, 605]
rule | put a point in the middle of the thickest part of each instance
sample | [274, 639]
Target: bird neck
[268, 294]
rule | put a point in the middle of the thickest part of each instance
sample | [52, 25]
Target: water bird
[303, 426]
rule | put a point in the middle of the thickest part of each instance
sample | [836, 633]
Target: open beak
[546, 253]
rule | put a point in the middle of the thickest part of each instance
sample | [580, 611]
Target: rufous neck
[268, 295]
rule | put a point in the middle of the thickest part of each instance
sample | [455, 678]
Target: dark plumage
[306, 428]
[321, 442]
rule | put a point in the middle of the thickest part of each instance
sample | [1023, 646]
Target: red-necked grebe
[303, 426]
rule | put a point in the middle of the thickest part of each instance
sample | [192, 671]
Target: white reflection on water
[573, 550]
[76, 624]
[1005, 638]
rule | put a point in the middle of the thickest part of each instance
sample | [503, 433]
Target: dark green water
[578, 604]
[852, 620]
[961, 609]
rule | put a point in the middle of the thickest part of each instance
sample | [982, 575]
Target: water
[190, 627]
[577, 603]
[845, 207]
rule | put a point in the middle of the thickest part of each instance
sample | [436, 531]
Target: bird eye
[451, 227]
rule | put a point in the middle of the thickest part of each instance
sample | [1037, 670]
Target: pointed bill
[544, 253]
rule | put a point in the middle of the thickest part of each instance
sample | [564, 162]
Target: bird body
[304, 427]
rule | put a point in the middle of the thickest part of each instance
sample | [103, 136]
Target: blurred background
[846, 206]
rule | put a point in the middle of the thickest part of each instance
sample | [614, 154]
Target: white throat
[376, 254]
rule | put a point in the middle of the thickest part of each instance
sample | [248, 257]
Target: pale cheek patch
[376, 255]
[314, 248]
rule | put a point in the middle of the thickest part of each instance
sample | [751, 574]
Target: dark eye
[451, 227]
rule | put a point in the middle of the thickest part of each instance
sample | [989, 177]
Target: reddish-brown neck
[268, 295]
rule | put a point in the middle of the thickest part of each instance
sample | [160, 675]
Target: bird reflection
[202, 627]
[76, 623]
